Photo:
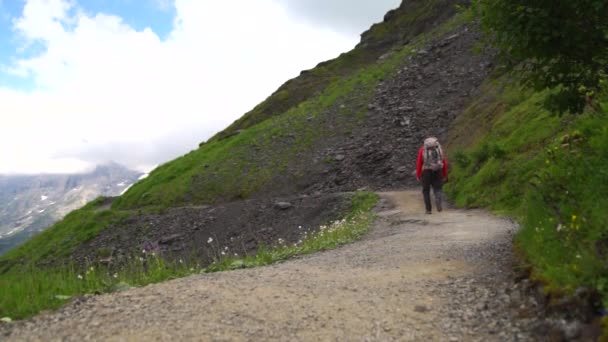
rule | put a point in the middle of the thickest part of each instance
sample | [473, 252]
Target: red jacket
[420, 162]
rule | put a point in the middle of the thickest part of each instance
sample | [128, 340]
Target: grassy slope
[247, 163]
[550, 172]
[33, 289]
[58, 241]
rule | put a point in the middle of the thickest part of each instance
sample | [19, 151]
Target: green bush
[461, 159]
[550, 173]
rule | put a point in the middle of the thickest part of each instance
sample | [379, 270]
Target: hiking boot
[438, 200]
[428, 212]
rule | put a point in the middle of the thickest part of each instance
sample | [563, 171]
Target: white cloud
[102, 85]
[349, 16]
[164, 4]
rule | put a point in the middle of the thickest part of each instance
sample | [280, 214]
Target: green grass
[52, 244]
[549, 172]
[29, 289]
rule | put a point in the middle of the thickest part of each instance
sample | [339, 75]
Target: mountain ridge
[31, 203]
[398, 28]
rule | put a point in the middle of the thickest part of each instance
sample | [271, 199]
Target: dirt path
[414, 277]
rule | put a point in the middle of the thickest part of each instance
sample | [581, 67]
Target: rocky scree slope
[207, 233]
[420, 100]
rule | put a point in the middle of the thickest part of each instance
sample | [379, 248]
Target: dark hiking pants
[432, 178]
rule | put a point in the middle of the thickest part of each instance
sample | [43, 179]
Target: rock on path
[414, 277]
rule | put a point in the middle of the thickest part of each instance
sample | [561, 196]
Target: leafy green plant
[461, 159]
[550, 173]
[560, 46]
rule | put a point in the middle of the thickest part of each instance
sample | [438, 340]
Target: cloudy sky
[141, 82]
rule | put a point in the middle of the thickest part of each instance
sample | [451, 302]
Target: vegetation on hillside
[28, 289]
[513, 154]
[58, 242]
[562, 46]
[550, 172]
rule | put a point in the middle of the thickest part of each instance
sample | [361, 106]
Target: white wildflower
[560, 227]
[210, 240]
[181, 261]
[223, 253]
[115, 275]
[79, 277]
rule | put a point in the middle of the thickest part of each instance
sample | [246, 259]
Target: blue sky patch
[16, 82]
[158, 15]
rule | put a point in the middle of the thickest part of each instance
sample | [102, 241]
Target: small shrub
[487, 151]
[461, 159]
[550, 173]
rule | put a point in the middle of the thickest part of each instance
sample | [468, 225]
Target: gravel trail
[414, 277]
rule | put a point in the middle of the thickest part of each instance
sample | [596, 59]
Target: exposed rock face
[421, 100]
[212, 232]
[431, 13]
[29, 204]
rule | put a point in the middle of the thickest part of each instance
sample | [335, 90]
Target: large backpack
[433, 155]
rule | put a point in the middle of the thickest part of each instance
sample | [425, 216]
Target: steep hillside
[289, 165]
[400, 26]
[328, 142]
[29, 204]
[550, 173]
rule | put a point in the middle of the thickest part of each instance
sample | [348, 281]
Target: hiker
[432, 169]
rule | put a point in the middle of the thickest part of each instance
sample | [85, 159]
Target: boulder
[283, 205]
[169, 239]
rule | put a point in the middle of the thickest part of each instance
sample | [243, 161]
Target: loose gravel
[414, 277]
